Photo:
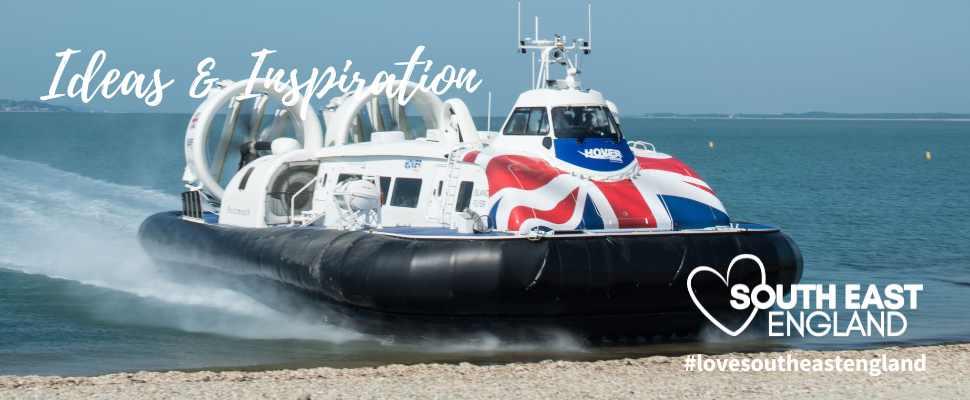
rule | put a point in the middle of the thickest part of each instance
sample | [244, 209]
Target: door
[438, 183]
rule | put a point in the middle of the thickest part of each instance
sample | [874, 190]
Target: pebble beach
[946, 376]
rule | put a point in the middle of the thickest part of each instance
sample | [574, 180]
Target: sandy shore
[947, 376]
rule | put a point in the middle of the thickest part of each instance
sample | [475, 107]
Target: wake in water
[68, 226]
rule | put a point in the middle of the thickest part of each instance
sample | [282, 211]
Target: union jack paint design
[527, 192]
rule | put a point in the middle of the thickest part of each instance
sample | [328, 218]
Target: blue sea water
[858, 197]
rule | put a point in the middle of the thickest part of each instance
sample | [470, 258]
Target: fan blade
[256, 119]
[374, 114]
[357, 129]
[277, 127]
[228, 129]
[400, 116]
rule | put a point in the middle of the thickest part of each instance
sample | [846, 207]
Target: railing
[297, 194]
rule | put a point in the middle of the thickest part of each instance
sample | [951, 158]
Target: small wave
[952, 281]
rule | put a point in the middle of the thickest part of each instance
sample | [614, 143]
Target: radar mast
[555, 51]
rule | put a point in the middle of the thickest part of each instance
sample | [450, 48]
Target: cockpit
[584, 122]
[568, 122]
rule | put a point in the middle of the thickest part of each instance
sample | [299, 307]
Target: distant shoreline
[30, 106]
[808, 119]
[818, 115]
[503, 117]
[19, 106]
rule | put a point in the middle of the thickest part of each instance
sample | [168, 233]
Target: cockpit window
[584, 122]
[527, 121]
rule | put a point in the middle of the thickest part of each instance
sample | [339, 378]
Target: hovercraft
[399, 223]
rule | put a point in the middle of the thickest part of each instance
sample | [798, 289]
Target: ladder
[451, 186]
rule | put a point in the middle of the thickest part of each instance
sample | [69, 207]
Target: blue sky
[649, 56]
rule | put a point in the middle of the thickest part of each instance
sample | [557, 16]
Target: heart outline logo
[726, 280]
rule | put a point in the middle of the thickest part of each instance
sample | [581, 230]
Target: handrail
[298, 192]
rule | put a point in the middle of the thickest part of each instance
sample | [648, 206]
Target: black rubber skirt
[623, 284]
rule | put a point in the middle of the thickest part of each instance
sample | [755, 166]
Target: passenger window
[344, 177]
[406, 192]
[464, 196]
[385, 189]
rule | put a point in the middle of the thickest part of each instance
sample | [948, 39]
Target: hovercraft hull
[607, 283]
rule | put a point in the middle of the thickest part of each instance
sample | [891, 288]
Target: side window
[406, 192]
[538, 125]
[344, 177]
[517, 123]
[385, 189]
[528, 121]
[464, 195]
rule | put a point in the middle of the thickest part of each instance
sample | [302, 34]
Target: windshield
[584, 122]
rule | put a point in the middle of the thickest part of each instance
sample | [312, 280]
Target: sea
[867, 201]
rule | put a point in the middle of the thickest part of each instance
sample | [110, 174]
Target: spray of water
[68, 226]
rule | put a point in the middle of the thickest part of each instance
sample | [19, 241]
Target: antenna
[533, 70]
[537, 28]
[554, 51]
[488, 120]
